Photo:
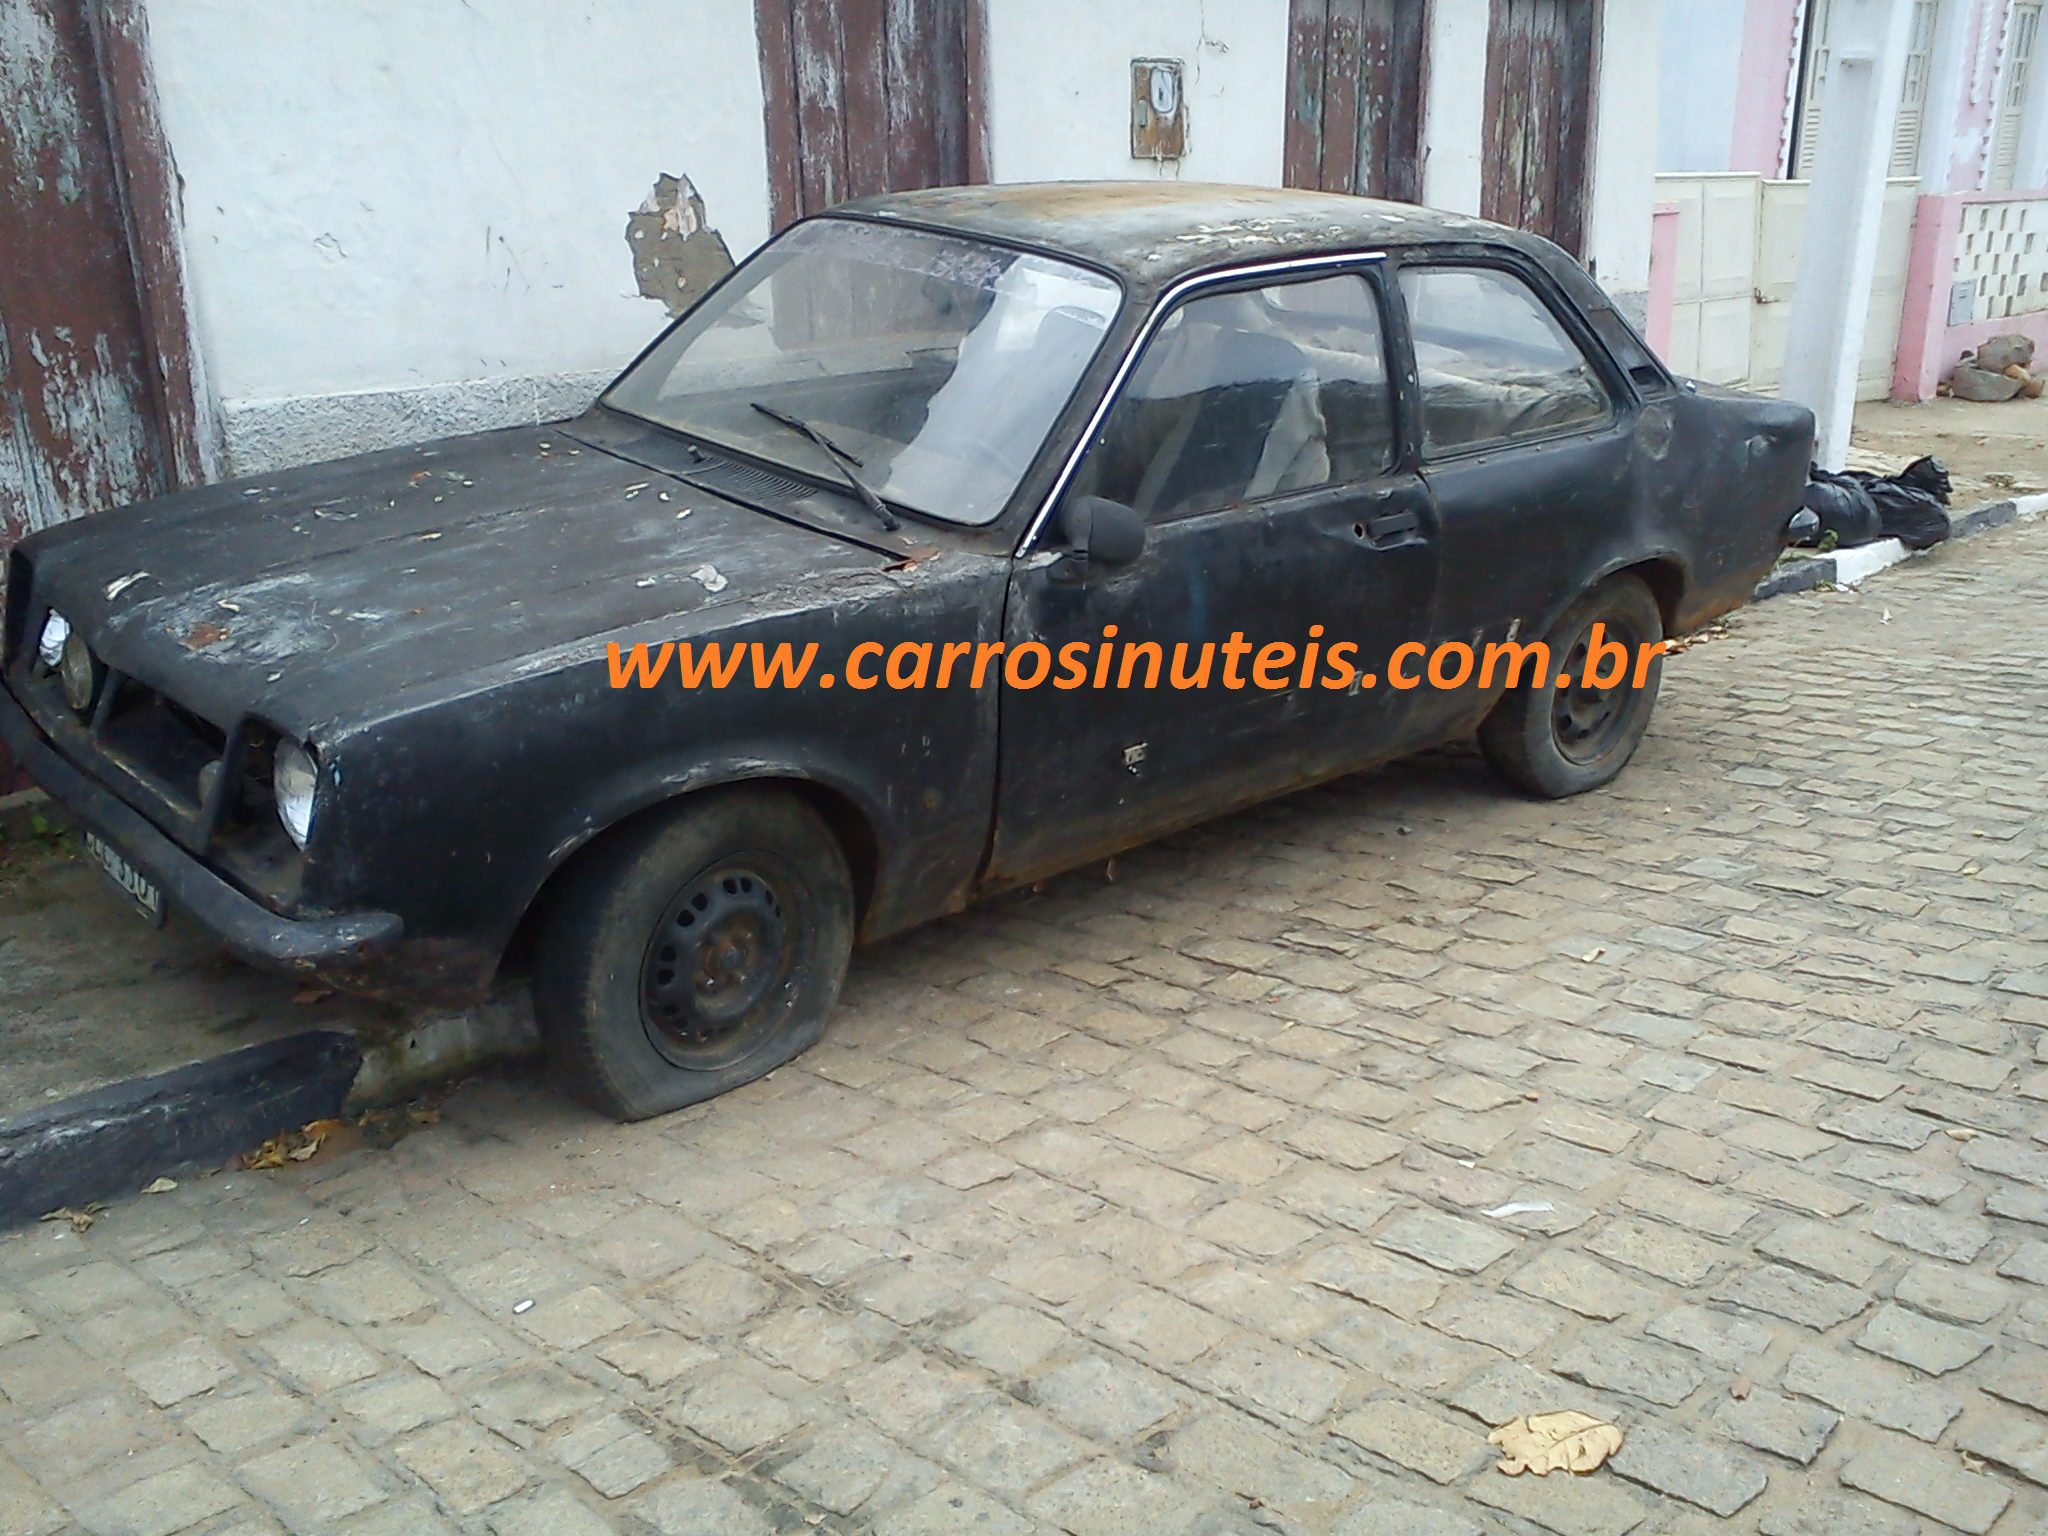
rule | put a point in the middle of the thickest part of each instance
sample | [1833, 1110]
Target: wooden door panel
[1354, 97]
[867, 96]
[1539, 79]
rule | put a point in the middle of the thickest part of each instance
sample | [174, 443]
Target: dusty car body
[424, 631]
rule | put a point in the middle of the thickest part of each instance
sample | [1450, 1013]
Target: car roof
[1155, 231]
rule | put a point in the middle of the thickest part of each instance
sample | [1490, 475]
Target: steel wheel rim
[719, 964]
[1586, 722]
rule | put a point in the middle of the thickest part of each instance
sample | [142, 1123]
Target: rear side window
[1494, 362]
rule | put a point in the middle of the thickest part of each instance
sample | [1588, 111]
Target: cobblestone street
[1239, 1193]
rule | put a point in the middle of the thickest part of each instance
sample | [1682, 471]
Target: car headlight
[50, 647]
[293, 779]
[77, 673]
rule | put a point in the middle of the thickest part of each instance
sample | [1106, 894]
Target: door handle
[1392, 527]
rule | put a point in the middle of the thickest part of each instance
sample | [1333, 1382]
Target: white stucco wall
[1060, 87]
[1454, 112]
[1698, 65]
[1624, 151]
[426, 200]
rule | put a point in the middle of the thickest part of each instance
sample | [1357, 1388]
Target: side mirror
[1101, 531]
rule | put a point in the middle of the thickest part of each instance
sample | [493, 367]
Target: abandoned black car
[364, 720]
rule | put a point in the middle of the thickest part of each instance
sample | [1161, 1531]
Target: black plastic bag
[1844, 508]
[1912, 517]
[1910, 505]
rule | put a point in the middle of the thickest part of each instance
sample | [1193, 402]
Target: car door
[1525, 445]
[1257, 438]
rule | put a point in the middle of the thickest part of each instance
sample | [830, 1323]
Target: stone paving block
[1105, 1397]
[1398, 1285]
[1928, 1483]
[1272, 1377]
[549, 1512]
[1723, 1338]
[1228, 1449]
[1835, 1514]
[946, 1510]
[161, 1504]
[314, 1482]
[1658, 1250]
[1826, 1249]
[1448, 1243]
[845, 1467]
[1564, 1506]
[468, 1468]
[690, 1503]
[1683, 1466]
[1871, 1390]
[613, 1455]
[1581, 1285]
[1441, 1449]
[734, 1409]
[1610, 1361]
[1108, 1497]
[1004, 1446]
[1958, 1239]
[2014, 1442]
[1909, 1338]
[1783, 1426]
[1795, 1296]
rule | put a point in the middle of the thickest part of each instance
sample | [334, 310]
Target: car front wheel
[694, 950]
[1556, 741]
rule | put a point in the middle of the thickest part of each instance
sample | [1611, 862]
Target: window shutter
[2019, 59]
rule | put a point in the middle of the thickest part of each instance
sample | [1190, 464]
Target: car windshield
[937, 364]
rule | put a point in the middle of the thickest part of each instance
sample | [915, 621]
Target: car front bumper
[307, 946]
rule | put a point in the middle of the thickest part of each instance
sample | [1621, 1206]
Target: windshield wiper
[849, 465]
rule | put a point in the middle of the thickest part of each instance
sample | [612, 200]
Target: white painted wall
[1060, 87]
[1624, 150]
[1698, 66]
[1454, 115]
[420, 193]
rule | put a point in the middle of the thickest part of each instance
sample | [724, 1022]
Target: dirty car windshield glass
[938, 363]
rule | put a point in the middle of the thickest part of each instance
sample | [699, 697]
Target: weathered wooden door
[1534, 169]
[96, 398]
[1354, 97]
[867, 96]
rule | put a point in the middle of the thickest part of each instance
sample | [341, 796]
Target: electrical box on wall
[1159, 110]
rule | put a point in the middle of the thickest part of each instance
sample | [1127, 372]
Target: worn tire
[753, 861]
[1523, 738]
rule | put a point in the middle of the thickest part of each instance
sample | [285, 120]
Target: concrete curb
[1848, 567]
[112, 1141]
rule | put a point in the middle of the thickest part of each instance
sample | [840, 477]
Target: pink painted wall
[1970, 149]
[1765, 86]
[1663, 297]
[1929, 347]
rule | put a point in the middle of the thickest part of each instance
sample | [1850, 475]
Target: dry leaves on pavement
[294, 1146]
[80, 1220]
[1566, 1441]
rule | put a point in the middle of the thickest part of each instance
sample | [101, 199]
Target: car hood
[339, 592]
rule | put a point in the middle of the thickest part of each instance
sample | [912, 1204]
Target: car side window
[1248, 394]
[1494, 363]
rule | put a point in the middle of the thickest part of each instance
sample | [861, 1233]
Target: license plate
[148, 900]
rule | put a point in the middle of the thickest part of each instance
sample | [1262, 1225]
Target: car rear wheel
[694, 951]
[1556, 741]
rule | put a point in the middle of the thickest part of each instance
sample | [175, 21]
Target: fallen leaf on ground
[295, 1146]
[80, 1221]
[160, 1187]
[1739, 1388]
[1961, 1133]
[1565, 1441]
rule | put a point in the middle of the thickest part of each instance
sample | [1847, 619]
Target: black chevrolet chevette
[359, 721]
